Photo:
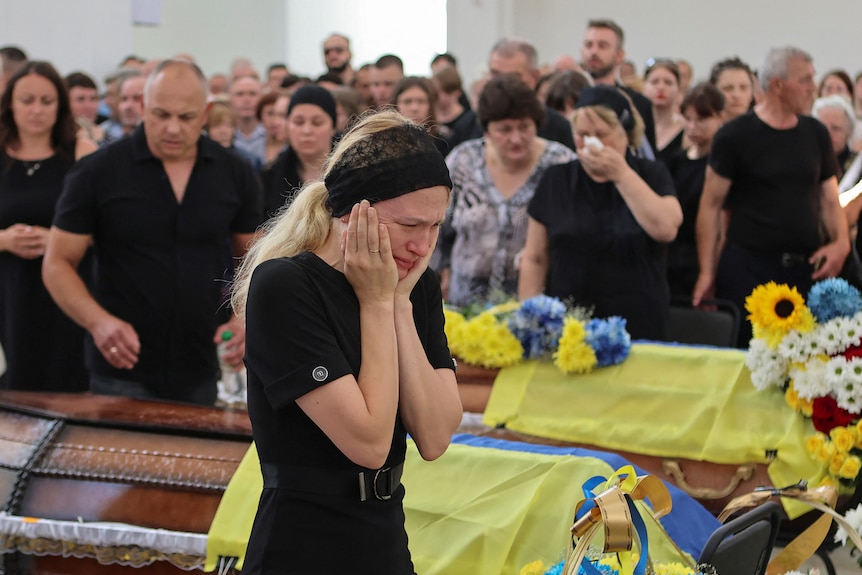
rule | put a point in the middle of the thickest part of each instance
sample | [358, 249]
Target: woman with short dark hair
[415, 98]
[703, 111]
[735, 80]
[495, 178]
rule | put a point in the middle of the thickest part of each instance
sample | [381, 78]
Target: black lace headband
[385, 165]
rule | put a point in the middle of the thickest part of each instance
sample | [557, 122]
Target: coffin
[679, 412]
[97, 484]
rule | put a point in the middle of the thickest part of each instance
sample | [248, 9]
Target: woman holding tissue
[598, 224]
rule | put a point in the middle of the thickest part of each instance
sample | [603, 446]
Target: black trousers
[740, 270]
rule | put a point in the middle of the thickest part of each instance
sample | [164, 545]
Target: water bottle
[232, 385]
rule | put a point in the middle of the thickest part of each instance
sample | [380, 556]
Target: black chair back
[743, 545]
[716, 325]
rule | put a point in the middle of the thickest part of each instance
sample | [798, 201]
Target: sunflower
[775, 310]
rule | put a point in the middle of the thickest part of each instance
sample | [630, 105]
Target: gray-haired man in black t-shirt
[774, 170]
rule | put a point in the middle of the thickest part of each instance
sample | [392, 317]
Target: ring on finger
[113, 349]
[373, 251]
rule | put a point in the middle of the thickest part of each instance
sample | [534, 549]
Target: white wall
[93, 35]
[87, 35]
[412, 29]
[216, 32]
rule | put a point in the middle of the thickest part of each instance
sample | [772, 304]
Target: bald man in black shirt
[162, 208]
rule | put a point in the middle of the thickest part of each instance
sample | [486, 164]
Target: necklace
[32, 167]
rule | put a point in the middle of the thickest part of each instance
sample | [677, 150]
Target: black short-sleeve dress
[44, 348]
[598, 254]
[303, 332]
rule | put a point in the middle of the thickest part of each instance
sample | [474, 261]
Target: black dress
[302, 333]
[682, 262]
[599, 255]
[44, 348]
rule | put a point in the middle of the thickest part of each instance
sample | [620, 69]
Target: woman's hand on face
[406, 285]
[368, 262]
[602, 165]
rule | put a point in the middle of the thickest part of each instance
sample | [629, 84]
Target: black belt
[377, 483]
[784, 259]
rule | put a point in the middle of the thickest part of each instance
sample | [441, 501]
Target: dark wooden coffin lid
[114, 411]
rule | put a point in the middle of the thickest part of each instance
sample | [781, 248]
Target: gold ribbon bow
[611, 511]
[806, 543]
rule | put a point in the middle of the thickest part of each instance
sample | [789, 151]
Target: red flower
[827, 415]
[852, 351]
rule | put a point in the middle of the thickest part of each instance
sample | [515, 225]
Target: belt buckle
[786, 260]
[377, 476]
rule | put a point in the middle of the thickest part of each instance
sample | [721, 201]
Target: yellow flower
[844, 438]
[859, 434]
[534, 568]
[804, 406]
[573, 354]
[829, 481]
[672, 569]
[850, 468]
[836, 463]
[815, 442]
[486, 341]
[452, 328]
[576, 358]
[826, 452]
[775, 309]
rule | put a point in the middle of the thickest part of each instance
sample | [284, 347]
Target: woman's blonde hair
[305, 224]
[609, 117]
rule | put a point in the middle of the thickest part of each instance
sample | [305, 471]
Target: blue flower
[538, 324]
[609, 339]
[833, 297]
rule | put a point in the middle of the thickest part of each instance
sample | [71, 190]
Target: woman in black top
[346, 354]
[311, 119]
[661, 86]
[702, 109]
[44, 348]
[597, 224]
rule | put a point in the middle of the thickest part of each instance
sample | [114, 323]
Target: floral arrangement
[812, 351]
[854, 518]
[542, 326]
[609, 565]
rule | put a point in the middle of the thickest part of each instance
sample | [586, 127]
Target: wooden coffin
[86, 459]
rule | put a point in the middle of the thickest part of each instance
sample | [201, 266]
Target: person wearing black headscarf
[311, 119]
[346, 354]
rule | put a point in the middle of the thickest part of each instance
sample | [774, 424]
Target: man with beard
[601, 56]
[336, 54]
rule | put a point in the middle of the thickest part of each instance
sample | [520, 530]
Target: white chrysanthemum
[767, 366]
[852, 331]
[837, 370]
[830, 336]
[847, 389]
[810, 381]
[854, 518]
[794, 347]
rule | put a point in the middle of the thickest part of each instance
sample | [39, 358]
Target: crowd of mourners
[626, 190]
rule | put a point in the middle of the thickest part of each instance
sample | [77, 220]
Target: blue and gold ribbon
[610, 503]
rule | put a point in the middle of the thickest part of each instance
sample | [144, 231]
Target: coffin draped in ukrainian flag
[485, 507]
